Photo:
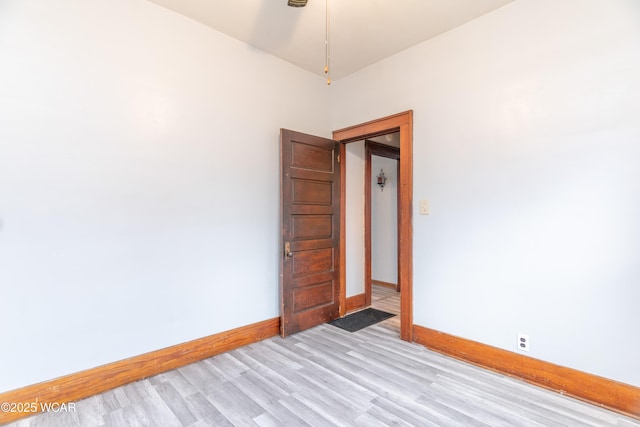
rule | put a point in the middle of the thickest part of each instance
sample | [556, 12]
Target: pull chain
[327, 41]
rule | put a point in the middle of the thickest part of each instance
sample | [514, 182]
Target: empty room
[192, 196]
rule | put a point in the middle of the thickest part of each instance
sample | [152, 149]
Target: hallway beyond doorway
[387, 299]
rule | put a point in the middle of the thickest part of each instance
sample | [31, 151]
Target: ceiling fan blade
[297, 3]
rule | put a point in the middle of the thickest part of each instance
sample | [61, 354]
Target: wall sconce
[382, 180]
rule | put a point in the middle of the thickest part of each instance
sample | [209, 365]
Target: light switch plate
[424, 207]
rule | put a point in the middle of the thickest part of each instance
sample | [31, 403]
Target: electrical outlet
[523, 342]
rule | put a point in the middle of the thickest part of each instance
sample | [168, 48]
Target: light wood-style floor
[325, 377]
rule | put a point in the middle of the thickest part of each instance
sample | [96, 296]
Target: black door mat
[361, 319]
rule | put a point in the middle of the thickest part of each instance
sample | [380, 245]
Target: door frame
[372, 148]
[402, 122]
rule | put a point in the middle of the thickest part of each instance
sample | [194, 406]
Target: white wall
[526, 143]
[354, 218]
[139, 153]
[138, 181]
[384, 221]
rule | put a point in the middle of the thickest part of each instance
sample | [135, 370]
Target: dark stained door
[310, 231]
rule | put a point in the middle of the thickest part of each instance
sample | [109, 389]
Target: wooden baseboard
[87, 383]
[597, 390]
[385, 284]
[356, 302]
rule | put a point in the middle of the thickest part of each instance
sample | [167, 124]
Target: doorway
[380, 223]
[402, 123]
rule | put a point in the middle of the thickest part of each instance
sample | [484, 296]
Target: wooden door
[310, 231]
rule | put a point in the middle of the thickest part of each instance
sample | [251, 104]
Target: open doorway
[382, 169]
[402, 124]
[371, 230]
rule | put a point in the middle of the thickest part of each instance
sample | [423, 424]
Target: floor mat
[361, 319]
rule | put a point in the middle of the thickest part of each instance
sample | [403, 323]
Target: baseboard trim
[385, 284]
[356, 302]
[87, 383]
[596, 390]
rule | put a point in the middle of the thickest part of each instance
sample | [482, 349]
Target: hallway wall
[384, 221]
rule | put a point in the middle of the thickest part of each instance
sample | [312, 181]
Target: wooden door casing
[402, 122]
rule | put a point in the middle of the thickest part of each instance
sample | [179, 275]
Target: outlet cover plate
[523, 342]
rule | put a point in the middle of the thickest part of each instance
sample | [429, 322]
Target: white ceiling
[362, 31]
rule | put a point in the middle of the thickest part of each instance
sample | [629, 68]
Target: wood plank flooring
[326, 376]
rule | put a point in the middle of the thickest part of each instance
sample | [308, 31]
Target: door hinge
[338, 158]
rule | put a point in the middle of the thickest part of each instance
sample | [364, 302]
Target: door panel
[310, 224]
[311, 227]
[305, 298]
[312, 262]
[305, 156]
[311, 192]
